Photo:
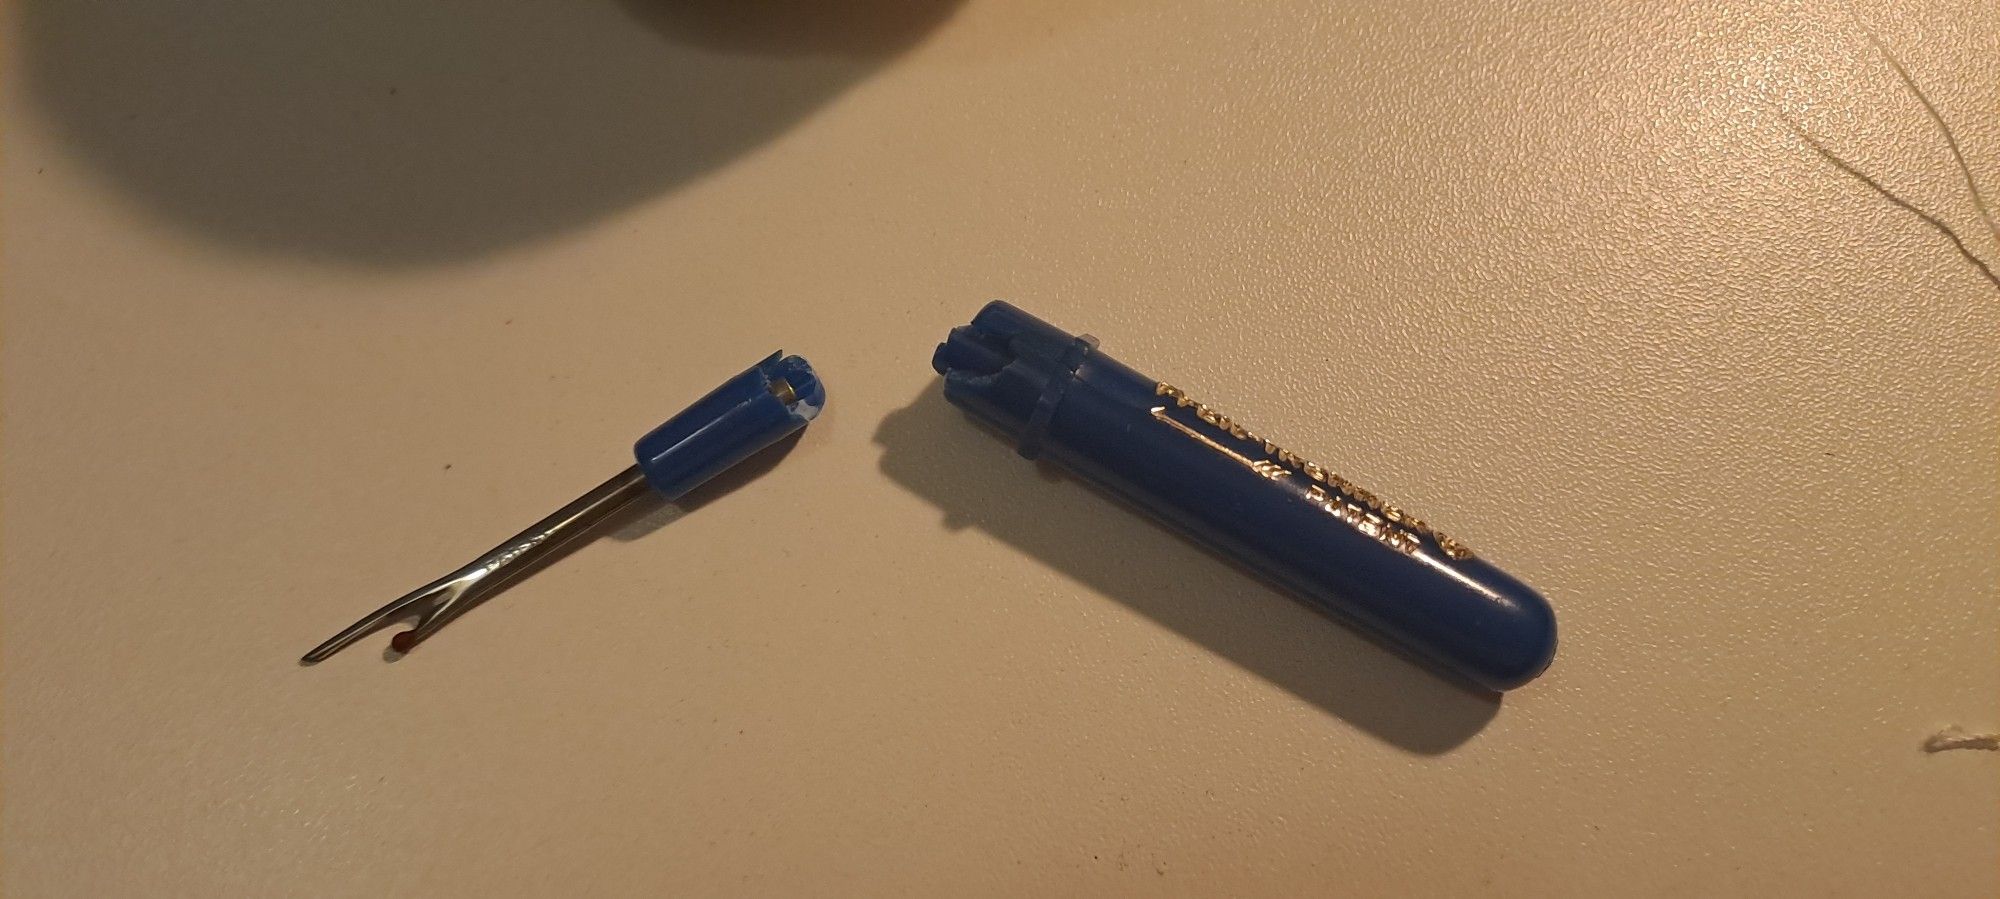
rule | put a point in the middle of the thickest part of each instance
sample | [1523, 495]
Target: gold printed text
[1336, 495]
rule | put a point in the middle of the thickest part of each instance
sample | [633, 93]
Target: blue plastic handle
[1295, 522]
[749, 412]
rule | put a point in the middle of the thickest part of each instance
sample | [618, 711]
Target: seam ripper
[749, 412]
[1294, 522]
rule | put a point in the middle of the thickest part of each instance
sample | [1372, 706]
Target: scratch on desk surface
[1955, 737]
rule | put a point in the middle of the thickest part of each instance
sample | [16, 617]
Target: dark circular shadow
[395, 133]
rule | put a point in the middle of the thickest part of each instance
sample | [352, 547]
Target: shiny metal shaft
[439, 601]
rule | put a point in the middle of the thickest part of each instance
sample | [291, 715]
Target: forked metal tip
[425, 602]
[435, 604]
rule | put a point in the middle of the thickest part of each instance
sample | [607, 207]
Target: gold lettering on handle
[1333, 494]
[1263, 467]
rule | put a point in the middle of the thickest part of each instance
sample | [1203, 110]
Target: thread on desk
[1955, 737]
[1942, 227]
[1951, 143]
[1937, 119]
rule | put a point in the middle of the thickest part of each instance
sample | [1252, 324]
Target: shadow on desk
[388, 133]
[977, 480]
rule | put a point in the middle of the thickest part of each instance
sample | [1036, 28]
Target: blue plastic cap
[749, 412]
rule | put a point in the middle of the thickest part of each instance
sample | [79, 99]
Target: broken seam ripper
[749, 412]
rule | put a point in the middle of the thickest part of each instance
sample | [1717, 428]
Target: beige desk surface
[306, 303]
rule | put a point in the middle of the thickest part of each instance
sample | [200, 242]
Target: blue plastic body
[1300, 525]
[733, 421]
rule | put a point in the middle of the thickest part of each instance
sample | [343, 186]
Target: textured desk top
[303, 308]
